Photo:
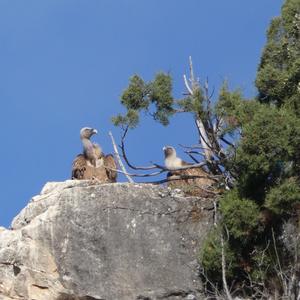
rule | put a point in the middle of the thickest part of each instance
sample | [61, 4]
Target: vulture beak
[166, 148]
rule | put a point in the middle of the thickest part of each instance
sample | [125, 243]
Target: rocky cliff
[78, 240]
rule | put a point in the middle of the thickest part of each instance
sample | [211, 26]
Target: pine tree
[254, 145]
[265, 235]
[279, 70]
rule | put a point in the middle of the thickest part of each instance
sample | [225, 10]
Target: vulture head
[87, 132]
[169, 151]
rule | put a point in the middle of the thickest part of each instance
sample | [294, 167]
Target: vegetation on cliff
[253, 147]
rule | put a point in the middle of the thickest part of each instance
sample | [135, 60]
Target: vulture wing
[79, 167]
[110, 164]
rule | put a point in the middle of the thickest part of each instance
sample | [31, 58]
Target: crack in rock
[141, 212]
[64, 296]
[42, 287]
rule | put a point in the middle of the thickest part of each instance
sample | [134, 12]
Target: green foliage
[269, 141]
[140, 95]
[279, 73]
[262, 263]
[210, 257]
[240, 216]
[233, 109]
[266, 160]
[198, 102]
[131, 119]
[283, 197]
[134, 97]
[194, 104]
[186, 104]
[264, 163]
[161, 96]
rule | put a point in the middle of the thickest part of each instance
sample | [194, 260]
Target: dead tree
[211, 150]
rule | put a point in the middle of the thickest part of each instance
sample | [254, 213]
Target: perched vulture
[93, 163]
[197, 186]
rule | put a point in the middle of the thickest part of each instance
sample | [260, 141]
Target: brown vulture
[93, 163]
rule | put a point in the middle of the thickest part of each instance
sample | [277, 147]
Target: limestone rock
[79, 240]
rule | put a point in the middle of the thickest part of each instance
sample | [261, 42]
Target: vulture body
[200, 185]
[93, 163]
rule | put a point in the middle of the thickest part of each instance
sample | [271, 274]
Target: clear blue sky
[64, 64]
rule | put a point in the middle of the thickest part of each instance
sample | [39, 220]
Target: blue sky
[65, 63]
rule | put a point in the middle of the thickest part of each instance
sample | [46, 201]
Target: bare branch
[179, 111]
[118, 157]
[215, 293]
[192, 166]
[227, 142]
[280, 273]
[191, 151]
[173, 178]
[187, 85]
[200, 126]
[210, 142]
[185, 177]
[125, 156]
[215, 213]
[136, 174]
[154, 166]
[192, 72]
[191, 147]
[190, 154]
[206, 86]
[225, 286]
[217, 125]
[204, 139]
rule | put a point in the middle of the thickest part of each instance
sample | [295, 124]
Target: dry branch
[118, 158]
[225, 285]
[212, 143]
[122, 146]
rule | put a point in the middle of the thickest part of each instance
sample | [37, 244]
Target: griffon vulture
[197, 186]
[93, 163]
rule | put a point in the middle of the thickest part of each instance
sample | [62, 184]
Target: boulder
[82, 240]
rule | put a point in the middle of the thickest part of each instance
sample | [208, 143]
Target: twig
[215, 178]
[173, 178]
[181, 177]
[187, 85]
[191, 166]
[191, 147]
[217, 126]
[135, 174]
[200, 126]
[227, 142]
[224, 269]
[283, 281]
[122, 146]
[215, 214]
[190, 154]
[216, 293]
[192, 72]
[208, 103]
[119, 159]
[204, 139]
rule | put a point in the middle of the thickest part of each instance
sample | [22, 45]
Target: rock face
[77, 240]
